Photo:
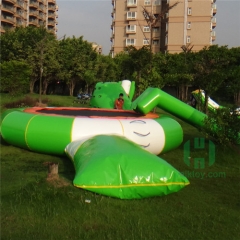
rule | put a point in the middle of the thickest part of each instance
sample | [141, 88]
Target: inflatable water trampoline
[113, 151]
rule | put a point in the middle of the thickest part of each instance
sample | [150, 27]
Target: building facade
[190, 22]
[29, 13]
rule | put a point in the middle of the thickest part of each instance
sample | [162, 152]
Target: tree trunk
[186, 92]
[237, 98]
[31, 85]
[45, 86]
[71, 86]
[138, 80]
[52, 169]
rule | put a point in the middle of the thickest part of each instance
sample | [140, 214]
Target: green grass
[34, 208]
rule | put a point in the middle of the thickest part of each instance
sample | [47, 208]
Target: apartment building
[97, 47]
[189, 22]
[29, 13]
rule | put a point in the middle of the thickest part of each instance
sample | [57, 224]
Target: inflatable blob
[105, 94]
[116, 167]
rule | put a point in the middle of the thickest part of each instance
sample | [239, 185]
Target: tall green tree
[76, 57]
[15, 77]
[233, 75]
[141, 62]
[27, 44]
[211, 70]
[178, 73]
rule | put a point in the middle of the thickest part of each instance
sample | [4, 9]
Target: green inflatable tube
[153, 97]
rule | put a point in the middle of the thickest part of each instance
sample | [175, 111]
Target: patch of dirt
[40, 104]
[56, 181]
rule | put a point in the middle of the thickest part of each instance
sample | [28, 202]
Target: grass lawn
[32, 207]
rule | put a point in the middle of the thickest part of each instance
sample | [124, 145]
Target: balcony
[20, 3]
[8, 8]
[51, 7]
[214, 22]
[33, 22]
[213, 35]
[11, 1]
[214, 9]
[33, 4]
[114, 4]
[52, 23]
[41, 23]
[41, 7]
[33, 13]
[20, 13]
[8, 19]
[41, 16]
[2, 30]
[20, 23]
[131, 3]
[51, 15]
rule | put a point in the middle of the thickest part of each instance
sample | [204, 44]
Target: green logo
[199, 162]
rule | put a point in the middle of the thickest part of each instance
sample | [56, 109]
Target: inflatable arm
[154, 97]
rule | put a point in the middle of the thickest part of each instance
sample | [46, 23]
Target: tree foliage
[14, 77]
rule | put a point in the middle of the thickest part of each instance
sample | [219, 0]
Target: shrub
[24, 102]
[223, 125]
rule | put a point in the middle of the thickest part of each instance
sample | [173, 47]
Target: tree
[76, 56]
[14, 77]
[27, 44]
[141, 62]
[124, 65]
[233, 75]
[210, 69]
[178, 73]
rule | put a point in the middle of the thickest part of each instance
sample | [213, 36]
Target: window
[166, 26]
[189, 25]
[146, 29]
[155, 42]
[131, 28]
[189, 11]
[146, 41]
[156, 15]
[156, 29]
[147, 2]
[157, 2]
[130, 41]
[131, 15]
[166, 39]
[131, 2]
[188, 39]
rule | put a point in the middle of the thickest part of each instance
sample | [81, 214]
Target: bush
[15, 76]
[24, 102]
[223, 125]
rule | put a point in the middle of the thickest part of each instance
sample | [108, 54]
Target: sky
[92, 20]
